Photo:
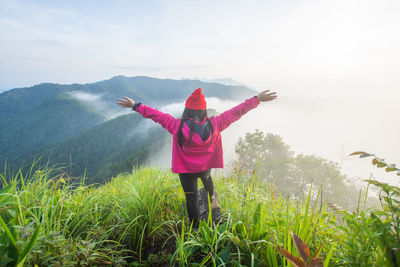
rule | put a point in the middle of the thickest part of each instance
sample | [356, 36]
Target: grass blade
[29, 246]
[8, 232]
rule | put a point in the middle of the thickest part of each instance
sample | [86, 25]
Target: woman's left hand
[128, 103]
[266, 96]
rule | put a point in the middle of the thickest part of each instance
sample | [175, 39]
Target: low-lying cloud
[108, 109]
[327, 128]
[85, 96]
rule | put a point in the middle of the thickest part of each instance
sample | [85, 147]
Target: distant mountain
[166, 91]
[66, 123]
[14, 101]
[145, 89]
[225, 81]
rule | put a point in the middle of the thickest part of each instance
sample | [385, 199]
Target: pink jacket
[199, 155]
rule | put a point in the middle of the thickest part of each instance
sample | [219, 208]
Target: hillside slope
[48, 123]
[70, 124]
[107, 149]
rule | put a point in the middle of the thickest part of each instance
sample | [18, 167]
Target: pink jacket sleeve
[228, 117]
[167, 121]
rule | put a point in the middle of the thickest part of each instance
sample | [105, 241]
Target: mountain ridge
[52, 119]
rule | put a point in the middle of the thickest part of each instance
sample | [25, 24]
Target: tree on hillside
[292, 175]
[310, 169]
[266, 152]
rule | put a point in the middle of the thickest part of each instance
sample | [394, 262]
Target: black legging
[189, 185]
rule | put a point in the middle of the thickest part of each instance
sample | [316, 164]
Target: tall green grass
[140, 219]
[117, 222]
[256, 221]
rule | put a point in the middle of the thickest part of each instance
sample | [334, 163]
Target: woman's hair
[195, 114]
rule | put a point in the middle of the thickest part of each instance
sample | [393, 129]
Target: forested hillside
[115, 146]
[47, 123]
[80, 124]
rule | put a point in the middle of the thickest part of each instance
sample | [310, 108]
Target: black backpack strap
[201, 129]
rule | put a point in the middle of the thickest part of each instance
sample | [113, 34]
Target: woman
[196, 146]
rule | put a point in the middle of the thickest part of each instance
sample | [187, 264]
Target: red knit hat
[196, 100]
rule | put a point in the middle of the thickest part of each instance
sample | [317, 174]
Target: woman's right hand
[266, 96]
[127, 103]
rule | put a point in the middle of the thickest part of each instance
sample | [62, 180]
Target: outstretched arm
[228, 117]
[167, 121]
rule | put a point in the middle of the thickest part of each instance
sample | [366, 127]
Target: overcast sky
[335, 64]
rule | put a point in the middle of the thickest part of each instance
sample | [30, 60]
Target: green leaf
[357, 153]
[390, 169]
[13, 252]
[256, 216]
[8, 232]
[330, 253]
[222, 227]
[204, 261]
[365, 155]
[5, 190]
[381, 164]
[29, 246]
[239, 229]
[11, 212]
[380, 213]
[226, 252]
[4, 262]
